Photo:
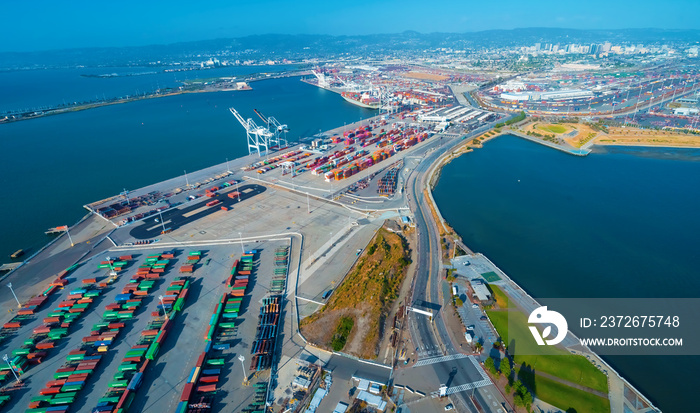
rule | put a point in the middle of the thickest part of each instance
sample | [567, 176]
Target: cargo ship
[364, 99]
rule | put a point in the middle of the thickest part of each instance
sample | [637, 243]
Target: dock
[9, 267]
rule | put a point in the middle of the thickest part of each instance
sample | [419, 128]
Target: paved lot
[165, 378]
[178, 217]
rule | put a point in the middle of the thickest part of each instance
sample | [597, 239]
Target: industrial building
[481, 291]
[564, 94]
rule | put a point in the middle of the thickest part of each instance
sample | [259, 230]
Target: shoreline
[434, 174]
[642, 145]
[87, 106]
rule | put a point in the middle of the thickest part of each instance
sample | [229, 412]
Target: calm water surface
[621, 222]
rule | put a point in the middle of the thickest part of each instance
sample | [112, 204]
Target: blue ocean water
[51, 166]
[33, 89]
[621, 222]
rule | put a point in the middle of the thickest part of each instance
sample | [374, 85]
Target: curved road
[434, 334]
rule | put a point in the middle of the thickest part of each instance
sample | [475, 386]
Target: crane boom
[261, 115]
[239, 117]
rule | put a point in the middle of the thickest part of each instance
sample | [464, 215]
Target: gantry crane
[258, 136]
[279, 131]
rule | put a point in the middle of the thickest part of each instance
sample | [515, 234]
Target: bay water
[621, 222]
[51, 166]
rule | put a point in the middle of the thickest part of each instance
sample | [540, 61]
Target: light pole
[13, 293]
[227, 168]
[238, 192]
[241, 238]
[69, 237]
[187, 180]
[308, 204]
[245, 376]
[160, 297]
[7, 360]
[161, 220]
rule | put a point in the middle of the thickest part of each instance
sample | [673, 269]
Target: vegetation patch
[553, 128]
[354, 317]
[575, 369]
[568, 398]
[501, 298]
[342, 332]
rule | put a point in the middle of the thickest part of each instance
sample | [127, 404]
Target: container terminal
[186, 295]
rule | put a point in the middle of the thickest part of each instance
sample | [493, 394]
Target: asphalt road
[176, 218]
[433, 334]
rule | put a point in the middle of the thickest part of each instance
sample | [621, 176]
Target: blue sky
[40, 25]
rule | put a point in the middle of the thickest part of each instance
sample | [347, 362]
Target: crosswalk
[468, 386]
[441, 359]
[480, 369]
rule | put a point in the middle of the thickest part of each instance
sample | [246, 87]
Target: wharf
[9, 267]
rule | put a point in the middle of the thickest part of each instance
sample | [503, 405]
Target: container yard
[139, 305]
[196, 274]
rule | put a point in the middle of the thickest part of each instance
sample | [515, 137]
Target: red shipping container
[186, 392]
[209, 379]
[206, 389]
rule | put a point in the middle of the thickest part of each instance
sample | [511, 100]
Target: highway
[433, 334]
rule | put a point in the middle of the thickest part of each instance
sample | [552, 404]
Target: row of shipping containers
[81, 362]
[201, 386]
[278, 284]
[263, 347]
[34, 349]
[129, 375]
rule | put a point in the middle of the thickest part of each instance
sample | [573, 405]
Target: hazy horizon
[43, 26]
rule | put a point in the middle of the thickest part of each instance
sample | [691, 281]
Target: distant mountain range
[277, 46]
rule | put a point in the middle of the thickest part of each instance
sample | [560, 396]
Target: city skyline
[53, 26]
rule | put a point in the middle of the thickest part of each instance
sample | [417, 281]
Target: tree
[490, 365]
[478, 346]
[458, 302]
[505, 368]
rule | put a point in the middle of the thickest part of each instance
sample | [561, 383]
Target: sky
[49, 25]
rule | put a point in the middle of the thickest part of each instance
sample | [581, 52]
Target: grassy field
[355, 314]
[501, 298]
[573, 368]
[553, 128]
[570, 399]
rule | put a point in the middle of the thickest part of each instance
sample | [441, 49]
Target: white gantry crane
[258, 136]
[278, 131]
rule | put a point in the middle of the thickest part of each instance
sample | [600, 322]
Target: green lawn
[574, 368]
[490, 276]
[565, 397]
[500, 297]
[552, 128]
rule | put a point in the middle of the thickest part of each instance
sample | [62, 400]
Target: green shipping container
[127, 367]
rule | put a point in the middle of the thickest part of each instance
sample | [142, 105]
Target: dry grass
[642, 137]
[585, 132]
[425, 76]
[366, 295]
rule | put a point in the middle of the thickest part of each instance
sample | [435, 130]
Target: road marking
[159, 225]
[468, 386]
[442, 359]
[310, 300]
[478, 367]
